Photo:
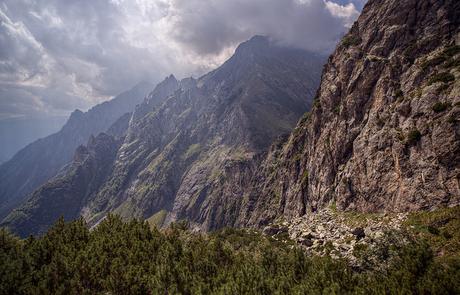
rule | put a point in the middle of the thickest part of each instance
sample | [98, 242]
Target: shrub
[451, 51]
[413, 137]
[444, 77]
[441, 106]
[433, 62]
[130, 258]
[351, 40]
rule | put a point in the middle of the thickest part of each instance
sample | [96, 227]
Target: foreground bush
[131, 258]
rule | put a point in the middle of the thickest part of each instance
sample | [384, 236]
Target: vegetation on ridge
[132, 258]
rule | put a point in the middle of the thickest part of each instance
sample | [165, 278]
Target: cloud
[59, 55]
[207, 27]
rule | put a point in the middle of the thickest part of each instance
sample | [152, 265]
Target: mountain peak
[256, 43]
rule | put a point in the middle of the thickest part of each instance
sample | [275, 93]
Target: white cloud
[58, 55]
[347, 12]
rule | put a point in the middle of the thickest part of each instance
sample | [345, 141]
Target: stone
[306, 242]
[358, 232]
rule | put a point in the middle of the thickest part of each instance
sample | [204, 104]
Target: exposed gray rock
[384, 134]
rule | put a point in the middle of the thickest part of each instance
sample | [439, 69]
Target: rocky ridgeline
[338, 234]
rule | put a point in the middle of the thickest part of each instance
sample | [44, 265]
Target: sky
[59, 55]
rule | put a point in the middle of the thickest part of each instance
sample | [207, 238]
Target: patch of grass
[337, 109]
[333, 206]
[417, 93]
[439, 228]
[444, 77]
[304, 180]
[351, 40]
[445, 56]
[157, 219]
[192, 150]
[441, 106]
[317, 103]
[355, 219]
[441, 89]
[433, 62]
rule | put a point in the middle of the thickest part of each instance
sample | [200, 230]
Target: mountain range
[39, 161]
[254, 140]
[171, 157]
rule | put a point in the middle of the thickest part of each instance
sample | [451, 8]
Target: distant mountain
[174, 159]
[39, 161]
[16, 133]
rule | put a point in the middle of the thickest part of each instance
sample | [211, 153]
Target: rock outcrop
[341, 234]
[384, 133]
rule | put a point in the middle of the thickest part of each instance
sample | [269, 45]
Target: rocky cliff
[42, 159]
[384, 132]
[190, 157]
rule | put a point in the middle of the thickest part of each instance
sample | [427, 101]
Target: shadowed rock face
[181, 155]
[42, 159]
[384, 132]
[68, 192]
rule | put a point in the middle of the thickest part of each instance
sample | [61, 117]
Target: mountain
[176, 159]
[383, 134]
[16, 133]
[39, 161]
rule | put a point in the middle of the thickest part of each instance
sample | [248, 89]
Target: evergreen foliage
[131, 258]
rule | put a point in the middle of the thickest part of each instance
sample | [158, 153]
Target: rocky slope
[382, 135]
[42, 159]
[384, 132]
[190, 157]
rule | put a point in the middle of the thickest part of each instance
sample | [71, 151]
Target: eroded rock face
[194, 154]
[384, 132]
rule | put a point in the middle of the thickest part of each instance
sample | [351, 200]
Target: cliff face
[178, 158]
[384, 132]
[191, 156]
[41, 160]
[187, 155]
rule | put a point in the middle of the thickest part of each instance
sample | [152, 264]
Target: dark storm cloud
[56, 55]
[209, 26]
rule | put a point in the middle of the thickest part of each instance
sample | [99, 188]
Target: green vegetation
[446, 56]
[441, 106]
[304, 180]
[444, 77]
[157, 219]
[192, 150]
[439, 229]
[131, 258]
[337, 109]
[351, 40]
[451, 51]
[433, 62]
[399, 94]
